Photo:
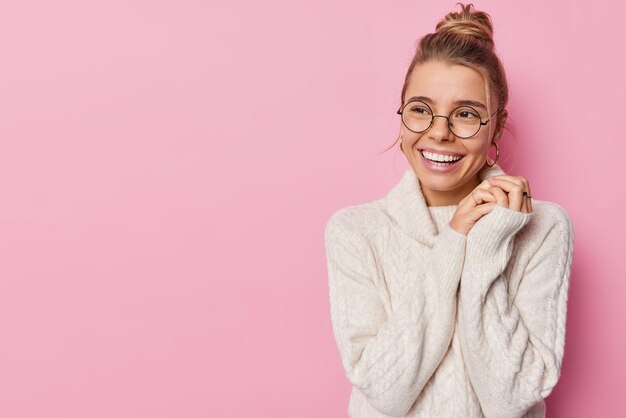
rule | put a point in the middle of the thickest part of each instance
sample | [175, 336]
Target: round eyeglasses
[464, 121]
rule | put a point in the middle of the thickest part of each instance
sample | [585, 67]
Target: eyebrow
[458, 102]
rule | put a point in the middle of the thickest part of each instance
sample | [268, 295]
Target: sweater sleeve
[390, 357]
[513, 349]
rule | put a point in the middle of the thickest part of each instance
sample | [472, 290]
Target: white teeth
[439, 157]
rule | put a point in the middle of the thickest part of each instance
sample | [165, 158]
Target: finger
[478, 211]
[508, 179]
[485, 185]
[514, 190]
[521, 181]
[468, 201]
[527, 200]
[475, 198]
[500, 195]
[482, 196]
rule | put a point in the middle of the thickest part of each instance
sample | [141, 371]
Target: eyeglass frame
[432, 120]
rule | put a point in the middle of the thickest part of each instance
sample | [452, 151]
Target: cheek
[478, 149]
[411, 140]
[409, 143]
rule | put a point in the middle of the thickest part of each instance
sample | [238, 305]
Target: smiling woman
[448, 295]
[444, 184]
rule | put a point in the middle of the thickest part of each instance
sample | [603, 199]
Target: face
[444, 84]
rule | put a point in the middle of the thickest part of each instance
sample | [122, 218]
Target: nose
[439, 129]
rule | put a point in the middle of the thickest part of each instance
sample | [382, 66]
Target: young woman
[448, 295]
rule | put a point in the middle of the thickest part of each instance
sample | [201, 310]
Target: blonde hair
[465, 38]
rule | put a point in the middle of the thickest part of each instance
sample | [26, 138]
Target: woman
[448, 296]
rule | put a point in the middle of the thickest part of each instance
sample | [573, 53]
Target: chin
[440, 182]
[442, 185]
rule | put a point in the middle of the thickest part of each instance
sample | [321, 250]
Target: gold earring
[497, 155]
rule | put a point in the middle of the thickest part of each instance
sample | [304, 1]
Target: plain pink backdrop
[167, 169]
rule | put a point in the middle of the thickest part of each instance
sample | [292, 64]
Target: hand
[514, 186]
[473, 206]
[504, 190]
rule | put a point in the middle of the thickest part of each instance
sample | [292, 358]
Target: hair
[464, 38]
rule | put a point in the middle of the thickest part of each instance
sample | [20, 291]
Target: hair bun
[469, 23]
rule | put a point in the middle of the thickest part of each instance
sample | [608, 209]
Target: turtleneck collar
[407, 205]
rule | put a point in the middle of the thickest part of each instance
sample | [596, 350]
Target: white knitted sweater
[432, 323]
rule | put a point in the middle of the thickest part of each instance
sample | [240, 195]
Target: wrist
[457, 229]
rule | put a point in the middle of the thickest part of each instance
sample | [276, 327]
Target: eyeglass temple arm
[496, 112]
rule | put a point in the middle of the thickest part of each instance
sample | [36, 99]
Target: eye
[420, 110]
[466, 114]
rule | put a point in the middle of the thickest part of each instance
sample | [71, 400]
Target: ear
[501, 120]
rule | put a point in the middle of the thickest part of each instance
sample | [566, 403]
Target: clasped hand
[504, 190]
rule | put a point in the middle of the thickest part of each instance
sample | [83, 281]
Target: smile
[440, 163]
[431, 156]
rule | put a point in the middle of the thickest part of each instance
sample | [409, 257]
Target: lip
[454, 154]
[440, 169]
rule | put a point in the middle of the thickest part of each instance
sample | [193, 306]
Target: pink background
[167, 170]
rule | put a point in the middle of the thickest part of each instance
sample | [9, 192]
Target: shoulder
[550, 225]
[547, 215]
[357, 220]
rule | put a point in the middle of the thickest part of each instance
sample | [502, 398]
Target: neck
[449, 197]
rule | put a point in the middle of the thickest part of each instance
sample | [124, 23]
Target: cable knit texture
[430, 322]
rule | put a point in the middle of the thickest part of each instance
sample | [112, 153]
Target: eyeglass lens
[464, 120]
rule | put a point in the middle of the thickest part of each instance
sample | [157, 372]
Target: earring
[497, 156]
[400, 138]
